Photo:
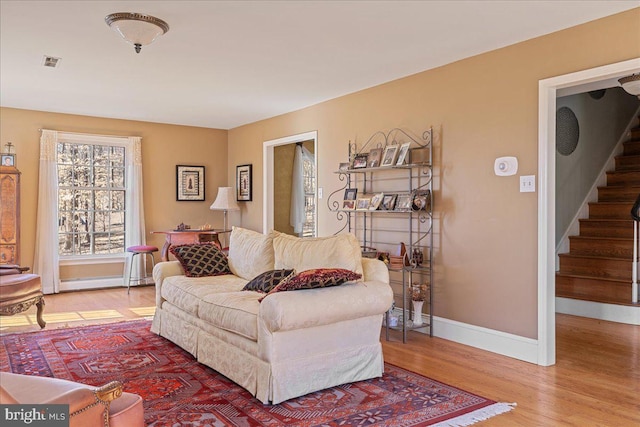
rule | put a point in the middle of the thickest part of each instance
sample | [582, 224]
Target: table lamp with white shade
[225, 202]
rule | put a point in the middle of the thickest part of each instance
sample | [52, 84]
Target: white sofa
[290, 343]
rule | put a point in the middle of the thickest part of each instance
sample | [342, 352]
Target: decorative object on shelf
[419, 156]
[383, 256]
[189, 183]
[244, 183]
[376, 200]
[421, 200]
[206, 227]
[350, 193]
[417, 312]
[360, 161]
[369, 252]
[344, 166]
[403, 202]
[363, 204]
[8, 156]
[389, 156]
[389, 202]
[373, 160]
[224, 202]
[182, 227]
[631, 84]
[417, 257]
[137, 28]
[349, 205]
[402, 154]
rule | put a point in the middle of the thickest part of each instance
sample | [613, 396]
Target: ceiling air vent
[50, 61]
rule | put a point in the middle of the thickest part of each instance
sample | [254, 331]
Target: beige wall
[163, 147]
[481, 108]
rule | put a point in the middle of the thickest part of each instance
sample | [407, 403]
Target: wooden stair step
[610, 210]
[623, 178]
[627, 162]
[598, 227]
[631, 147]
[593, 289]
[597, 267]
[635, 133]
[627, 193]
[611, 247]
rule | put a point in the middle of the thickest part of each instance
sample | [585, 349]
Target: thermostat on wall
[505, 166]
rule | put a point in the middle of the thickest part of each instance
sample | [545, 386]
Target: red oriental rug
[179, 391]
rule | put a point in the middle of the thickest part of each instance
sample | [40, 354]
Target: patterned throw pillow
[316, 278]
[201, 260]
[268, 280]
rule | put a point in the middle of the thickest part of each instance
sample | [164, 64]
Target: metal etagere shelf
[382, 228]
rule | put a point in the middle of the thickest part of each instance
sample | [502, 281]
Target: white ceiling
[227, 63]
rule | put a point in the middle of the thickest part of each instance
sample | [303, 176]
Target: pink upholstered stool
[140, 250]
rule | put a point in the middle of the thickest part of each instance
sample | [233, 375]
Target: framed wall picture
[8, 160]
[350, 193]
[363, 204]
[373, 160]
[244, 183]
[389, 156]
[189, 183]
[360, 161]
[388, 202]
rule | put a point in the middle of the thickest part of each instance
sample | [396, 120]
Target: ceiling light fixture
[137, 28]
[631, 84]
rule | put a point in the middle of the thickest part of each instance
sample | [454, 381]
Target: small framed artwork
[376, 201]
[350, 194]
[389, 156]
[348, 205]
[189, 183]
[389, 202]
[244, 183]
[419, 156]
[421, 200]
[363, 204]
[8, 160]
[373, 160]
[343, 167]
[403, 202]
[360, 161]
[402, 154]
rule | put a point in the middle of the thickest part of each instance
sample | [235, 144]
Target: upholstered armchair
[19, 291]
[106, 406]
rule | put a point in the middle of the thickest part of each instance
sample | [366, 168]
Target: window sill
[93, 260]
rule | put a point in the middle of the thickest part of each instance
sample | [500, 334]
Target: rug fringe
[476, 416]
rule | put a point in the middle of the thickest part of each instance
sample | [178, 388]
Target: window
[91, 198]
[309, 179]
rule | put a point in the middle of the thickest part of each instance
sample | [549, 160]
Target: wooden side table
[187, 237]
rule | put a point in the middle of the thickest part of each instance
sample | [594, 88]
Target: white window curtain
[135, 231]
[297, 216]
[46, 259]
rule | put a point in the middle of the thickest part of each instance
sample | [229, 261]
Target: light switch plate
[528, 184]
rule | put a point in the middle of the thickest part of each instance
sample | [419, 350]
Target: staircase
[599, 263]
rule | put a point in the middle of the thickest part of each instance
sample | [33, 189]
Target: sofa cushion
[340, 251]
[187, 292]
[250, 253]
[268, 280]
[236, 312]
[200, 260]
[316, 278]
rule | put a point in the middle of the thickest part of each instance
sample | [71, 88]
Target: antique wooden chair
[19, 291]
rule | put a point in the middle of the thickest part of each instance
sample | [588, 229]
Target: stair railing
[635, 214]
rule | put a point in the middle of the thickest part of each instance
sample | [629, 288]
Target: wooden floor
[596, 381]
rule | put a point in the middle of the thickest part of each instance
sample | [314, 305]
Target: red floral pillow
[316, 278]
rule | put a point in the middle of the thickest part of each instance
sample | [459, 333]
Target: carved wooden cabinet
[9, 215]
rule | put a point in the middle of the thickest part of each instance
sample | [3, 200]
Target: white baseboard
[509, 345]
[83, 285]
[596, 310]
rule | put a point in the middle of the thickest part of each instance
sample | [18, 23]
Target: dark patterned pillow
[268, 280]
[201, 260]
[316, 278]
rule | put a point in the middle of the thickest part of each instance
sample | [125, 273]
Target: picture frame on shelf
[244, 183]
[389, 156]
[421, 200]
[374, 158]
[344, 167]
[350, 194]
[348, 205]
[376, 201]
[363, 204]
[403, 202]
[360, 161]
[8, 159]
[388, 202]
[419, 156]
[403, 157]
[190, 183]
